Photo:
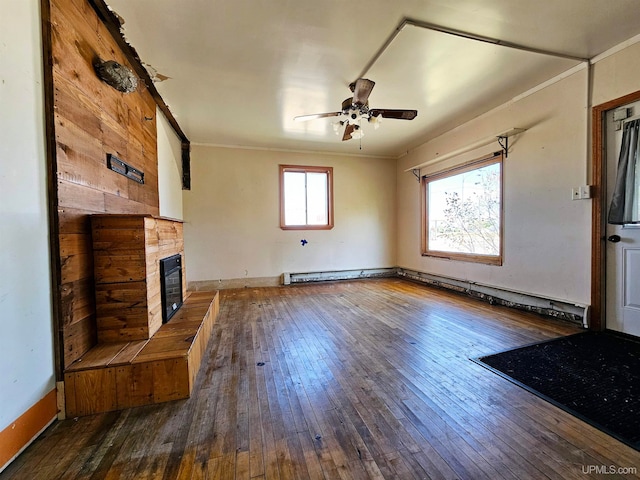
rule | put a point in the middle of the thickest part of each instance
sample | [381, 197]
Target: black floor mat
[593, 375]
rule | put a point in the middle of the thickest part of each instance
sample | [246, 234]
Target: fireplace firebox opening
[171, 286]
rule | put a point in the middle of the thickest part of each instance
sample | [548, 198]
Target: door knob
[614, 238]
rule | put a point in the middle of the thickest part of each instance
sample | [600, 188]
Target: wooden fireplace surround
[138, 360]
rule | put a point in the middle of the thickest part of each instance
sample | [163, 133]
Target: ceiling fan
[356, 109]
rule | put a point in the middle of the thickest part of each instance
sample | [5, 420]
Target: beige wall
[169, 169]
[616, 75]
[232, 216]
[546, 233]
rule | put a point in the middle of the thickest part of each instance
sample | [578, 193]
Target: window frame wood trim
[496, 260]
[306, 169]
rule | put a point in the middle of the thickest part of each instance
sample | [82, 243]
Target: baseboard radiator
[289, 278]
[560, 309]
[571, 312]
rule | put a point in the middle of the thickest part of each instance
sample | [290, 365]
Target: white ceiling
[240, 70]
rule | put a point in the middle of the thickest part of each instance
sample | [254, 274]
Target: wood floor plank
[342, 380]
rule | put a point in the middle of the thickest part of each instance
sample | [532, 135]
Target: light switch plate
[575, 193]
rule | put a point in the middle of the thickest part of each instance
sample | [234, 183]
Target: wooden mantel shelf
[117, 375]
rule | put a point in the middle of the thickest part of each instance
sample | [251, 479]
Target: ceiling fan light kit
[356, 109]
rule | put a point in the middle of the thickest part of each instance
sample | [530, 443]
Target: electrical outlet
[585, 191]
[575, 193]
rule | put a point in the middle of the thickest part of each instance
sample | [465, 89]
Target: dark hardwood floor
[364, 380]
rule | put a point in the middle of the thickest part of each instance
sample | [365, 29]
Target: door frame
[598, 207]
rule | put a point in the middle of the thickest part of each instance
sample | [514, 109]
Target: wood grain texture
[127, 250]
[127, 374]
[87, 120]
[77, 335]
[366, 379]
[90, 391]
[76, 301]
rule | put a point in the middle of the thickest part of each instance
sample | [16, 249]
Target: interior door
[623, 248]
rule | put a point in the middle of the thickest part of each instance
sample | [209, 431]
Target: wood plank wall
[126, 253]
[90, 120]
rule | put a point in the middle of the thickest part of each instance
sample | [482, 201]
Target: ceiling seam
[479, 38]
[460, 33]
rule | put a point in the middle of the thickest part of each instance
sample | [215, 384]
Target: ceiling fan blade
[397, 114]
[362, 90]
[313, 116]
[348, 130]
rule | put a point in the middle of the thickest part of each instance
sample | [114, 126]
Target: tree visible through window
[463, 212]
[306, 197]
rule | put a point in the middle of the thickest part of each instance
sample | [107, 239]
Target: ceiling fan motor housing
[356, 108]
[353, 111]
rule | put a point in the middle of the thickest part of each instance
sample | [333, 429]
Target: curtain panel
[624, 202]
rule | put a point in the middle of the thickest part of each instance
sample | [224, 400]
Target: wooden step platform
[113, 376]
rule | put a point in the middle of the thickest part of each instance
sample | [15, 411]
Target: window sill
[306, 227]
[466, 257]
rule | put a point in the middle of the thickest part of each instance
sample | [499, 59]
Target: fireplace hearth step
[114, 376]
[108, 355]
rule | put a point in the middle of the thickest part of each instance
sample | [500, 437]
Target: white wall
[26, 339]
[547, 244]
[232, 216]
[169, 168]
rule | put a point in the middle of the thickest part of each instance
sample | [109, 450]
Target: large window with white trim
[306, 197]
[462, 212]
